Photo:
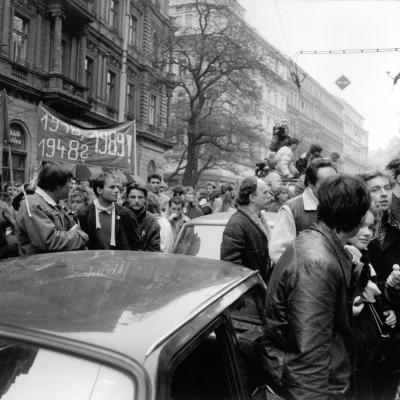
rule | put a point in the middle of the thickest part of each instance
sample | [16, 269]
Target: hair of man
[246, 188]
[311, 176]
[136, 186]
[52, 176]
[176, 200]
[343, 201]
[154, 176]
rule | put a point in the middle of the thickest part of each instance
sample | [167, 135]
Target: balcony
[60, 88]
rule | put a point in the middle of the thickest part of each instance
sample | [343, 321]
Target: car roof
[122, 301]
[221, 218]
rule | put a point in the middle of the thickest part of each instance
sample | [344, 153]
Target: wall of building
[69, 55]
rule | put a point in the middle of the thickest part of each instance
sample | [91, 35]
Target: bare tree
[219, 65]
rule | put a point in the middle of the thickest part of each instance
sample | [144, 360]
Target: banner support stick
[135, 165]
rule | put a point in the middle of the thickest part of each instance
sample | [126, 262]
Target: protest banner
[60, 141]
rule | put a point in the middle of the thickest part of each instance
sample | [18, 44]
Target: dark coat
[149, 230]
[244, 243]
[309, 324]
[126, 233]
[384, 256]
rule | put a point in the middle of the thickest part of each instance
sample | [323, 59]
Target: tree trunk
[192, 161]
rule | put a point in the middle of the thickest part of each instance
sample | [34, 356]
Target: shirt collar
[309, 200]
[45, 196]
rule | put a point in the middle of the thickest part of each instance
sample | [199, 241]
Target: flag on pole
[4, 125]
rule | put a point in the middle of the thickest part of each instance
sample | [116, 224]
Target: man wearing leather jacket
[307, 343]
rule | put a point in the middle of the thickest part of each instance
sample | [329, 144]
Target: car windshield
[201, 241]
[28, 372]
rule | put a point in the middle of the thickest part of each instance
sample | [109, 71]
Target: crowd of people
[331, 262]
[58, 213]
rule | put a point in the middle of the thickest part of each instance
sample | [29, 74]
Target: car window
[200, 241]
[205, 369]
[29, 372]
[247, 320]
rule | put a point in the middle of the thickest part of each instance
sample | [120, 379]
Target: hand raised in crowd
[393, 279]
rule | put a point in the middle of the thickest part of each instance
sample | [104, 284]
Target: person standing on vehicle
[299, 212]
[307, 345]
[109, 225]
[43, 224]
[285, 159]
[246, 235]
[148, 227]
[384, 251]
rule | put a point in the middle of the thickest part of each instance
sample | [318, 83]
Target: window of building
[130, 99]
[113, 14]
[152, 109]
[19, 39]
[18, 155]
[132, 30]
[65, 57]
[110, 91]
[89, 73]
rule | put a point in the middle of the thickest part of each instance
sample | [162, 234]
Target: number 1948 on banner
[61, 141]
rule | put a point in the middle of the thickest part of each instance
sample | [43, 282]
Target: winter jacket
[126, 229]
[285, 162]
[46, 227]
[307, 344]
[149, 230]
[245, 242]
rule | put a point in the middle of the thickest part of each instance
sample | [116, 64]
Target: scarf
[109, 210]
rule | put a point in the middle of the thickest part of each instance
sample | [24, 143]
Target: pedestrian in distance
[44, 225]
[154, 182]
[149, 230]
[306, 348]
[109, 225]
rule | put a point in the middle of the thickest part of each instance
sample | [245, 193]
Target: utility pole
[123, 77]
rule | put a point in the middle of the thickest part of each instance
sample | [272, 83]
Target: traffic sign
[342, 82]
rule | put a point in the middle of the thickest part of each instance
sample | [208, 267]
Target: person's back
[306, 347]
[308, 288]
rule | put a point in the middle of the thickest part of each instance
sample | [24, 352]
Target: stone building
[93, 61]
[355, 140]
[314, 115]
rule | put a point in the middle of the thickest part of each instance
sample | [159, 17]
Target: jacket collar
[309, 200]
[258, 221]
[139, 214]
[48, 199]
[343, 256]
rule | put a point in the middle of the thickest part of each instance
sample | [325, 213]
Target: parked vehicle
[202, 236]
[128, 325]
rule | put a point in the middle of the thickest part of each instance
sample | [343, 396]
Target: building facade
[355, 140]
[94, 62]
[314, 115]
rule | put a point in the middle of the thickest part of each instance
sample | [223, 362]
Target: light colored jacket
[45, 227]
[285, 162]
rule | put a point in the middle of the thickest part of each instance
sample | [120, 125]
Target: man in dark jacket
[246, 235]
[307, 344]
[109, 225]
[384, 252]
[148, 228]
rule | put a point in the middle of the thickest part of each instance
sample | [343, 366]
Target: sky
[295, 25]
